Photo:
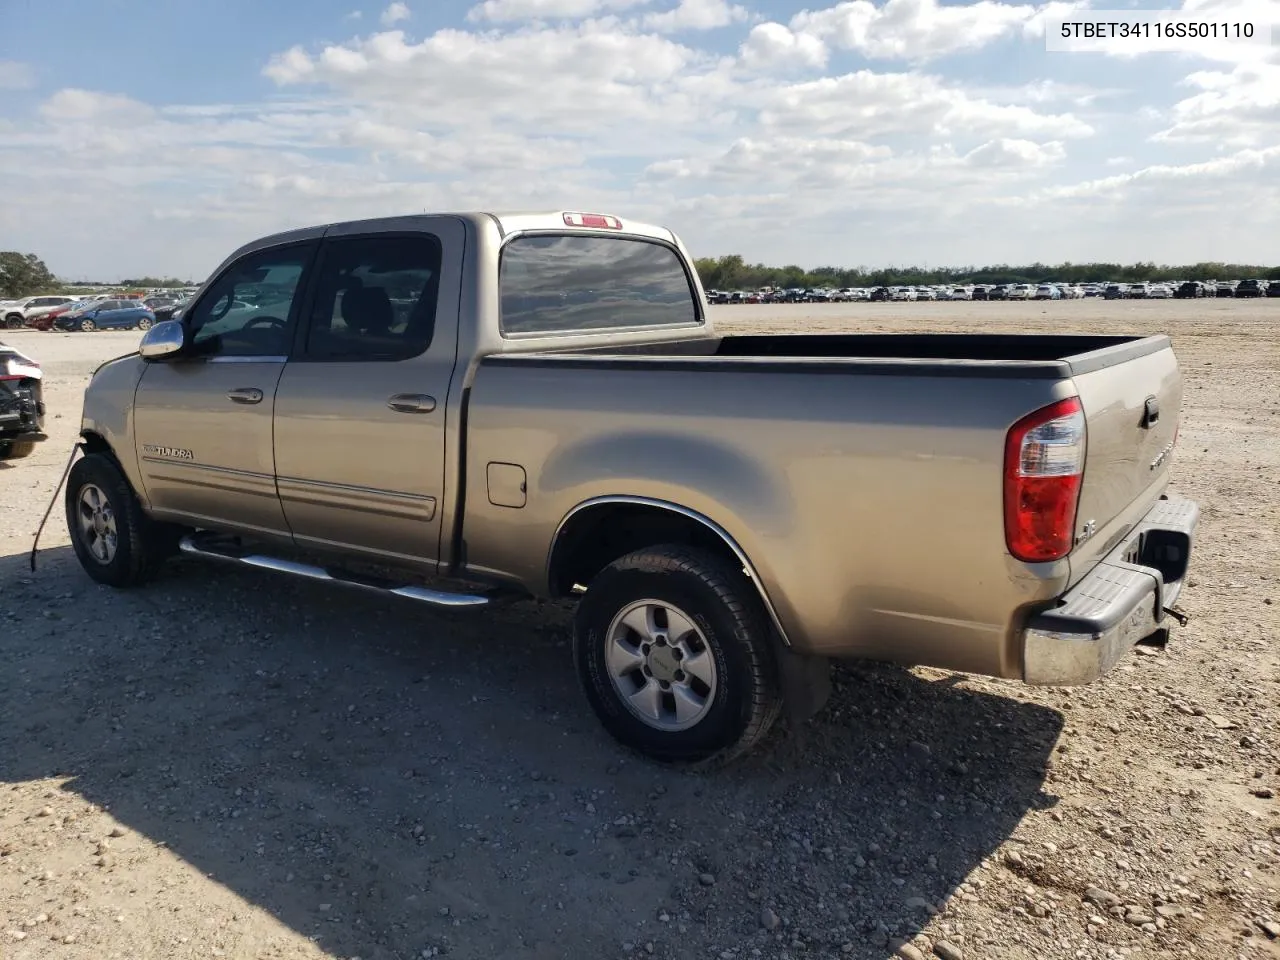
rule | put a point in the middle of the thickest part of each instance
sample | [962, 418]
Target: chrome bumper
[1122, 600]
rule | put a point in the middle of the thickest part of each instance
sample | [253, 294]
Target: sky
[153, 139]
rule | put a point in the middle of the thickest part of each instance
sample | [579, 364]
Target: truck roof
[508, 222]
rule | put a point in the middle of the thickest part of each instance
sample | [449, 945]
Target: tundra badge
[172, 453]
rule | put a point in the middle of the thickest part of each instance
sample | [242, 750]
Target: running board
[437, 598]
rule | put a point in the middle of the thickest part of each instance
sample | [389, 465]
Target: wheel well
[595, 537]
[94, 443]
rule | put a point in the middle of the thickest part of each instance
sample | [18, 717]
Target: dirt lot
[228, 766]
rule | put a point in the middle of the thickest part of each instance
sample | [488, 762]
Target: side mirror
[164, 339]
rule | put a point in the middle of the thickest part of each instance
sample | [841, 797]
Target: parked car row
[1004, 291]
[98, 312]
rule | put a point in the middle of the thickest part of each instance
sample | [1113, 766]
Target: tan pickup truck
[459, 408]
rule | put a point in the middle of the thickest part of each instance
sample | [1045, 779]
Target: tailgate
[1132, 406]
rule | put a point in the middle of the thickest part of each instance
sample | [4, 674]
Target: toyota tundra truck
[458, 409]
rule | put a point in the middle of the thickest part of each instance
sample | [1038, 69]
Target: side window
[246, 311]
[565, 284]
[375, 298]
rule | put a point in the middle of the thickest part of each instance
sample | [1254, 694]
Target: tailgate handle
[1150, 413]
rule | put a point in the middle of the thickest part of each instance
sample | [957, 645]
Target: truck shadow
[437, 780]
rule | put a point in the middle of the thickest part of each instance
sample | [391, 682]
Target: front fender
[108, 413]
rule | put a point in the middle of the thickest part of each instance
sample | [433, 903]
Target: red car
[45, 322]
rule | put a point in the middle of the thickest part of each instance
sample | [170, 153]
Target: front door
[360, 410]
[202, 421]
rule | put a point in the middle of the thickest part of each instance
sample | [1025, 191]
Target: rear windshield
[563, 284]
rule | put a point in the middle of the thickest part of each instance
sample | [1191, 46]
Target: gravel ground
[223, 765]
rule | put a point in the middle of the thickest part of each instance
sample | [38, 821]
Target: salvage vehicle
[458, 409]
[21, 404]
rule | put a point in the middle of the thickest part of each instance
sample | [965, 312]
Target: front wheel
[14, 321]
[116, 543]
[673, 650]
[87, 326]
[144, 324]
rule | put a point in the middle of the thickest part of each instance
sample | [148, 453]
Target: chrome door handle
[245, 395]
[411, 403]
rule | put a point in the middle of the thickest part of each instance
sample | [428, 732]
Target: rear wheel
[673, 649]
[115, 541]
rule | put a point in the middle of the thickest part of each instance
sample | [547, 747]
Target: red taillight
[1043, 467]
[592, 220]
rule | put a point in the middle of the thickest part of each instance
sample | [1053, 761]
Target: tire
[14, 321]
[126, 546]
[144, 324]
[730, 629]
[87, 326]
[16, 449]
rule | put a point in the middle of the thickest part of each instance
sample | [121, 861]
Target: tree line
[26, 275]
[733, 273]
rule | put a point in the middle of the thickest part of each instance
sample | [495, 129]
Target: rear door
[1132, 408]
[360, 412]
[202, 422]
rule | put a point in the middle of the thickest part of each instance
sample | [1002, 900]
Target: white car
[18, 312]
[902, 293]
[960, 293]
[1159, 291]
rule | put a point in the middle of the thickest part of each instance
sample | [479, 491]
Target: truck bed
[1034, 355]
[862, 473]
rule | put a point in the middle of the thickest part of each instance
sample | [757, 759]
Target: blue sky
[855, 132]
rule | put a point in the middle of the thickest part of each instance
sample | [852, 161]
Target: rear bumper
[1121, 601]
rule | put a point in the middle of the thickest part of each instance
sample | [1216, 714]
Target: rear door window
[375, 298]
[576, 284]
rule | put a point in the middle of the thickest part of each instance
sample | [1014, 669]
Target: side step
[222, 549]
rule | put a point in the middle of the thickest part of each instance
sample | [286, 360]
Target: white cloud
[1245, 170]
[503, 11]
[914, 30]
[15, 75]
[354, 15]
[868, 104]
[696, 15]
[395, 13]
[1240, 108]
[74, 104]
[1006, 153]
[772, 44]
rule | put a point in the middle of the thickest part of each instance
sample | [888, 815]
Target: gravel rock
[947, 951]
[1102, 898]
[769, 920]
